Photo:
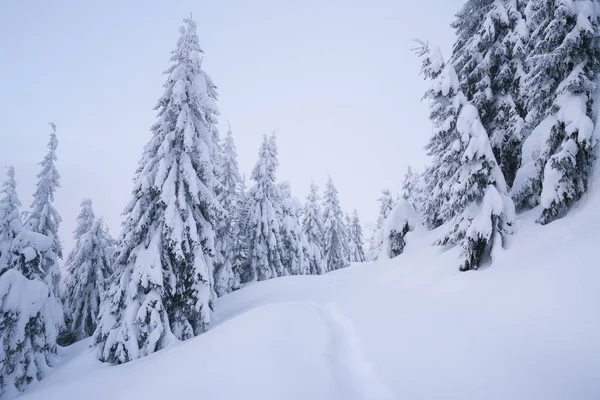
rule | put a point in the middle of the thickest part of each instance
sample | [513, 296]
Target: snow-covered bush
[401, 220]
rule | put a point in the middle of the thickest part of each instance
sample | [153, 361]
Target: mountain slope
[408, 328]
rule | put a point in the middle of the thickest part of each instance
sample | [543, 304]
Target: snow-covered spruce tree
[30, 314]
[355, 239]
[230, 196]
[489, 57]
[88, 271]
[334, 240]
[162, 288]
[312, 227]
[386, 204]
[563, 65]
[240, 248]
[9, 212]
[408, 185]
[292, 238]
[43, 217]
[262, 227]
[470, 187]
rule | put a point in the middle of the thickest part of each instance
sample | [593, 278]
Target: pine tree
[264, 212]
[292, 238]
[355, 239]
[386, 204]
[240, 248]
[10, 220]
[88, 271]
[467, 183]
[44, 218]
[163, 286]
[334, 240]
[563, 64]
[30, 314]
[229, 195]
[312, 227]
[489, 59]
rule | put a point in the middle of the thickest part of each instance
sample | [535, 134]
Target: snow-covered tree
[230, 196]
[563, 64]
[386, 204]
[489, 57]
[293, 241]
[408, 185]
[44, 218]
[312, 227]
[30, 314]
[262, 227]
[88, 271]
[240, 248]
[466, 182]
[334, 240]
[401, 220]
[355, 238]
[163, 285]
[9, 212]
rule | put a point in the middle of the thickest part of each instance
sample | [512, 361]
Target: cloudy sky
[336, 78]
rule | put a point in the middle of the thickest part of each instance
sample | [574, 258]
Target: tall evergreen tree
[240, 249]
[312, 227]
[563, 64]
[467, 183]
[44, 218]
[163, 287]
[88, 271]
[334, 240]
[489, 58]
[30, 314]
[230, 196]
[292, 238]
[262, 226]
[386, 204]
[355, 239]
[10, 219]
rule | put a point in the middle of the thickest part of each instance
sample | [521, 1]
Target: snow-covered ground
[528, 327]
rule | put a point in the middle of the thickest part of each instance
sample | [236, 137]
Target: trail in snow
[354, 375]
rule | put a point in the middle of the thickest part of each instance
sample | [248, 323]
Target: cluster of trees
[192, 232]
[513, 117]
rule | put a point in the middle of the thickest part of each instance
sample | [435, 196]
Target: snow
[526, 327]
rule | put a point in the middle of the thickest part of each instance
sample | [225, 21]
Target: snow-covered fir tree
[563, 65]
[465, 179]
[294, 243]
[262, 227]
[355, 239]
[408, 185]
[334, 238]
[312, 227]
[44, 218]
[9, 212]
[230, 196]
[489, 57]
[163, 285]
[30, 314]
[88, 268]
[386, 204]
[240, 248]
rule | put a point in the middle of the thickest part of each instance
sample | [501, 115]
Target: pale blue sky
[336, 78]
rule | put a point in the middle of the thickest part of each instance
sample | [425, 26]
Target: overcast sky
[336, 78]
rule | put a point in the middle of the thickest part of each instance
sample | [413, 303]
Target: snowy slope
[410, 328]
